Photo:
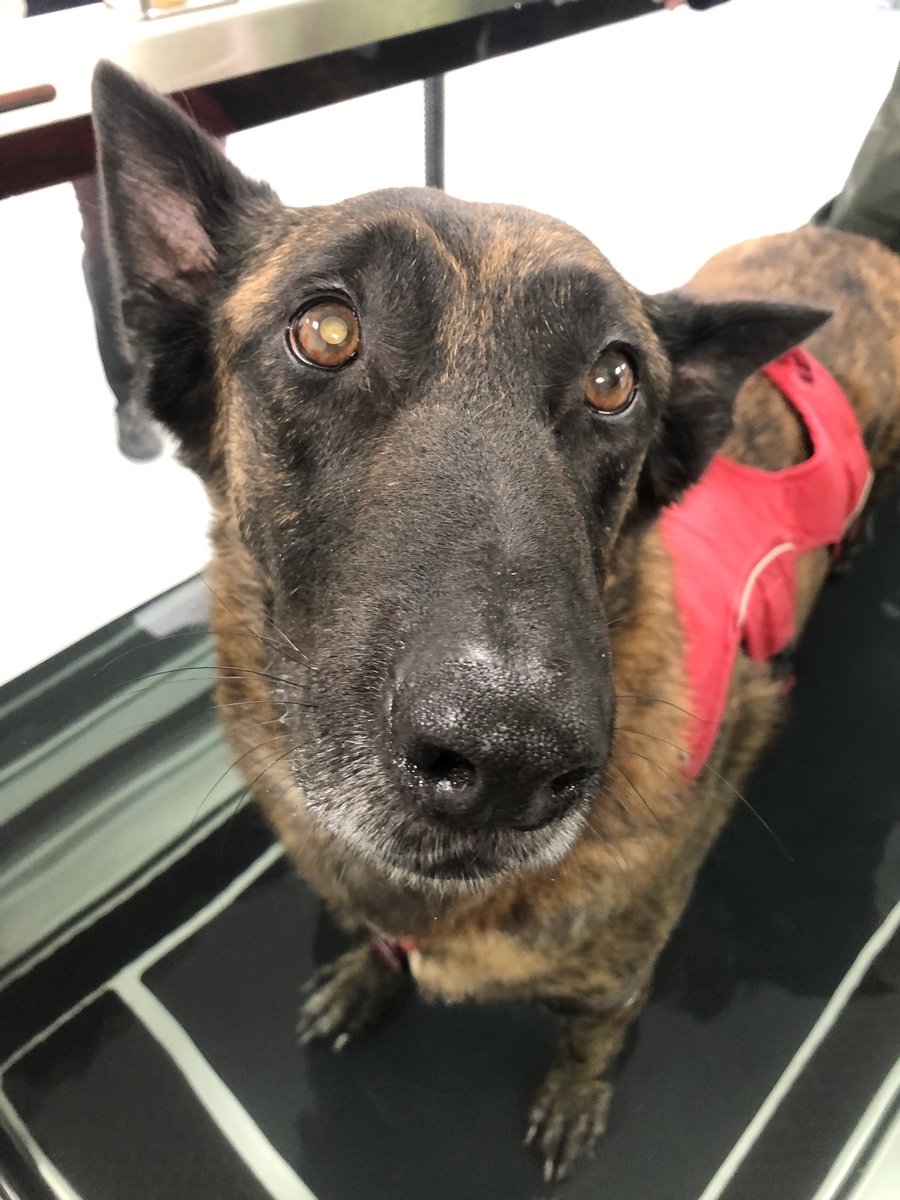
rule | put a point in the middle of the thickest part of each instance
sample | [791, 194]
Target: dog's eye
[611, 384]
[324, 334]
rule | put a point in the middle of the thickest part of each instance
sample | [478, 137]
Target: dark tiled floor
[432, 1105]
[116, 1118]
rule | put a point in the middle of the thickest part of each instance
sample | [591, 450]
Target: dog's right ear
[171, 199]
[712, 347]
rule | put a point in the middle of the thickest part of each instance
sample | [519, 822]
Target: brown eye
[326, 334]
[612, 383]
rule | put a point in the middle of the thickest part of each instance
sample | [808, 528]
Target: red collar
[736, 536]
[393, 952]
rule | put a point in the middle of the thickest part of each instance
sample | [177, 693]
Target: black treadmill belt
[431, 1104]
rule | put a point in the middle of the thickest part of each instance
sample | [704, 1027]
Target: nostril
[570, 781]
[441, 767]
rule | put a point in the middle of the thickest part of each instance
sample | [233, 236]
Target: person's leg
[869, 202]
[137, 436]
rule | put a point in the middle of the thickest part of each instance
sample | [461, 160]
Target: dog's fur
[450, 489]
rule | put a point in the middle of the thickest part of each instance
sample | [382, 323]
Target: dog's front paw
[567, 1118]
[347, 996]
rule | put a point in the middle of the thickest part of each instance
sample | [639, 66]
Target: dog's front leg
[570, 1109]
[349, 995]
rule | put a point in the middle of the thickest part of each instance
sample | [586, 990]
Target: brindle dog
[436, 437]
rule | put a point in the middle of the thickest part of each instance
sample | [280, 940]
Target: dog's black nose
[482, 746]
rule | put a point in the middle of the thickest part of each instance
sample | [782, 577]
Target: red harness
[736, 536]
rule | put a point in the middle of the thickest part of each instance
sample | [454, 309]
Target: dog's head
[432, 422]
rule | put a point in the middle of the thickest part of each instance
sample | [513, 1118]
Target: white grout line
[859, 1142]
[215, 1097]
[238, 1127]
[811, 1043]
[54, 1179]
[200, 918]
[880, 1173]
[213, 909]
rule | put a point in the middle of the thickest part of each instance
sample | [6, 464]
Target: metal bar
[434, 132]
[243, 73]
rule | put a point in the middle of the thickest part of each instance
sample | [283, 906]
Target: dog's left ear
[712, 347]
[173, 203]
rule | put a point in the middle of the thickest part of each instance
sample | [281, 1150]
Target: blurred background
[663, 138]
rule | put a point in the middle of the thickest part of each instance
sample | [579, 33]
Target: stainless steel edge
[197, 48]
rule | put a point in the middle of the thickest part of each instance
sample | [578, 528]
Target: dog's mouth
[414, 853]
[482, 860]
[457, 867]
[463, 871]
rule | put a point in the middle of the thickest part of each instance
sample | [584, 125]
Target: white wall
[662, 138]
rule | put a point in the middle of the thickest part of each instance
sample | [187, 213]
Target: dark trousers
[870, 200]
